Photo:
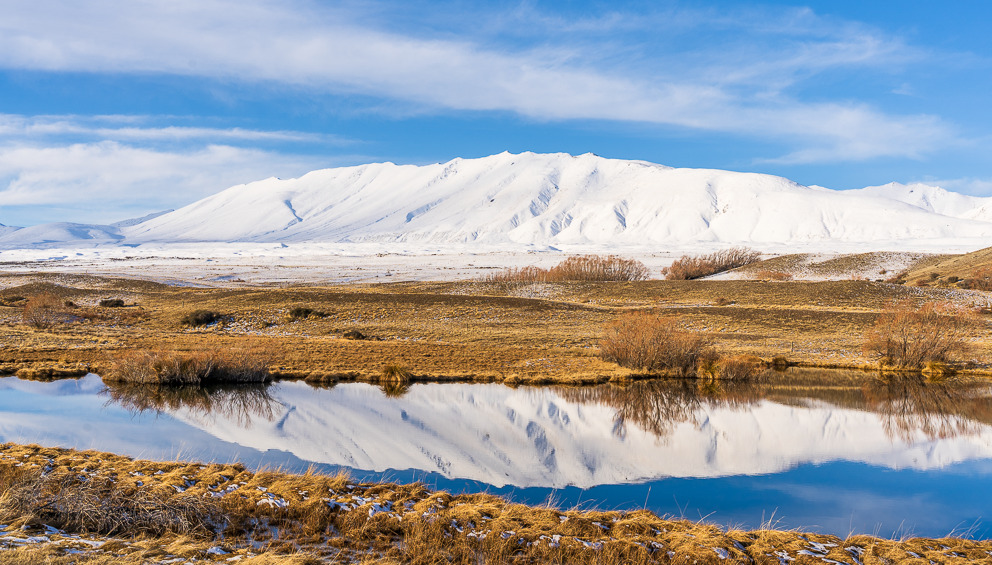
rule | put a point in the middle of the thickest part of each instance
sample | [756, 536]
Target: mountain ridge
[546, 200]
[552, 199]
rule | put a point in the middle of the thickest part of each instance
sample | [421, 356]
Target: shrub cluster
[690, 267]
[589, 268]
[913, 337]
[980, 279]
[111, 303]
[640, 340]
[198, 318]
[305, 313]
[242, 365]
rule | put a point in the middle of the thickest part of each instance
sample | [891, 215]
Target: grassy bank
[514, 332]
[65, 506]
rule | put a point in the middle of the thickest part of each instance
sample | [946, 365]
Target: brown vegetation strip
[106, 508]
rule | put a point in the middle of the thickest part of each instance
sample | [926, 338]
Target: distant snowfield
[240, 263]
[463, 218]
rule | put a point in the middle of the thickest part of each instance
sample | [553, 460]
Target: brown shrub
[588, 268]
[244, 365]
[640, 340]
[907, 336]
[44, 310]
[980, 279]
[688, 267]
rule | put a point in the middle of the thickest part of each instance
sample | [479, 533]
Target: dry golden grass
[532, 333]
[283, 519]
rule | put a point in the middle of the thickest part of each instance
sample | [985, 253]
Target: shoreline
[245, 513]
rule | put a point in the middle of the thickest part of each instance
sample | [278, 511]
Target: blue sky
[110, 110]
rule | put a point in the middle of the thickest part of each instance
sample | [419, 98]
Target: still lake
[835, 452]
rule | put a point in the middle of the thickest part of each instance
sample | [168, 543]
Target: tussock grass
[247, 364]
[332, 519]
[111, 303]
[908, 336]
[589, 268]
[690, 267]
[67, 500]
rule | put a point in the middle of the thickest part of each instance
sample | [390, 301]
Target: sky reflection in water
[869, 456]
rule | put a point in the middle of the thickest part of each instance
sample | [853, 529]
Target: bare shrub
[588, 268]
[111, 303]
[243, 365]
[907, 336]
[640, 340]
[690, 267]
[980, 279]
[44, 310]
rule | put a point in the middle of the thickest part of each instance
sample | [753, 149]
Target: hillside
[45, 235]
[551, 199]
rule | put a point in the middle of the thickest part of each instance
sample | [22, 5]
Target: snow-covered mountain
[550, 199]
[135, 221]
[46, 235]
[4, 230]
[546, 200]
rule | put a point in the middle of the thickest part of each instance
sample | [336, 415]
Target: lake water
[834, 452]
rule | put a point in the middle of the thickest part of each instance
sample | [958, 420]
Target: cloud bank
[740, 86]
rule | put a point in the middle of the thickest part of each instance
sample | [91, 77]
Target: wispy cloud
[743, 87]
[138, 128]
[100, 181]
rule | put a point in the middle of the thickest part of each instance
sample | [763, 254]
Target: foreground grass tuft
[248, 364]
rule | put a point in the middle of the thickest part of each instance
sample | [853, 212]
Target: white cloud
[136, 128]
[971, 186]
[105, 181]
[735, 90]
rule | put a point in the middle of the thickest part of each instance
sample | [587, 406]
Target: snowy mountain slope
[4, 230]
[46, 235]
[934, 199]
[135, 221]
[536, 437]
[549, 199]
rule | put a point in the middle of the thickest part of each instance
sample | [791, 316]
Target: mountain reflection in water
[907, 404]
[832, 450]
